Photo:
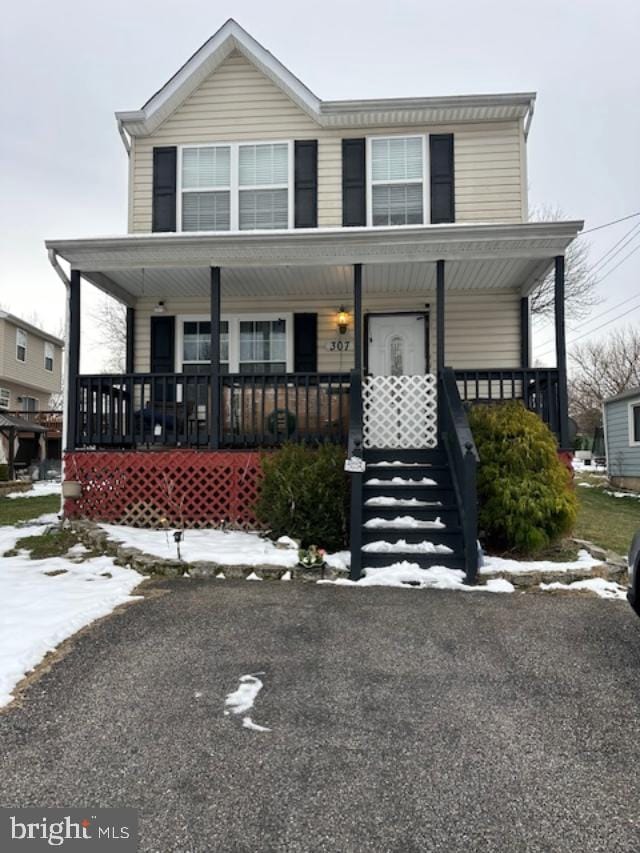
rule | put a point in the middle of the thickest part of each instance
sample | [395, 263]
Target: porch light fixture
[342, 320]
[159, 308]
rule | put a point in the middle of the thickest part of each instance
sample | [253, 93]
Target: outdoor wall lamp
[159, 308]
[342, 320]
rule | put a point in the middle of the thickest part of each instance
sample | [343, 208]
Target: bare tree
[580, 282]
[110, 317]
[600, 369]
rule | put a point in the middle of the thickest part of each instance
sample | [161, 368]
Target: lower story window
[5, 398]
[29, 404]
[634, 423]
[196, 346]
[263, 346]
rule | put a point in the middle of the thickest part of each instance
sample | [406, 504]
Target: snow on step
[401, 481]
[398, 463]
[405, 521]
[404, 547]
[388, 500]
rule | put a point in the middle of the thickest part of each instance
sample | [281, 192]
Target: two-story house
[311, 270]
[30, 375]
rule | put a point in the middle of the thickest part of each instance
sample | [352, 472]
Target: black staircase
[416, 505]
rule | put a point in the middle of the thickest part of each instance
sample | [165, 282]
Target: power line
[624, 238]
[620, 262]
[607, 224]
[597, 328]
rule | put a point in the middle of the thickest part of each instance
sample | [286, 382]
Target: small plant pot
[312, 570]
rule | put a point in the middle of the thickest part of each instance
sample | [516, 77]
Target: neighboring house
[30, 375]
[621, 418]
[311, 270]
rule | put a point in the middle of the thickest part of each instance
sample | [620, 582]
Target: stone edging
[147, 564]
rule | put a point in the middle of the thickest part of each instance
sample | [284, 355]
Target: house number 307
[338, 346]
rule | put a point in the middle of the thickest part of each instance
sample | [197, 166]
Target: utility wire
[601, 326]
[601, 259]
[607, 224]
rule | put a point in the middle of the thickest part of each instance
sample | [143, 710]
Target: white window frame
[234, 201]
[234, 336]
[49, 353]
[25, 346]
[36, 400]
[5, 399]
[426, 171]
[633, 405]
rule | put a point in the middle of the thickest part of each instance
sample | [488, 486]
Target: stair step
[448, 513]
[445, 495]
[426, 456]
[425, 561]
[450, 536]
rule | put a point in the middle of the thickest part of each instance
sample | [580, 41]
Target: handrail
[355, 452]
[463, 459]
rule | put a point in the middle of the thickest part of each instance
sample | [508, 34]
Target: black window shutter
[442, 182]
[305, 343]
[306, 183]
[163, 338]
[354, 183]
[164, 189]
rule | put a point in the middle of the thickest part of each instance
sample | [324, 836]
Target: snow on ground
[515, 567]
[622, 494]
[578, 465]
[383, 547]
[39, 490]
[601, 587]
[39, 609]
[226, 547]
[241, 700]
[409, 575]
[404, 521]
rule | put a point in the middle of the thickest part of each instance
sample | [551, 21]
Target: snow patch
[253, 577]
[601, 587]
[391, 501]
[39, 490]
[397, 463]
[401, 481]
[403, 521]
[241, 700]
[383, 547]
[43, 602]
[583, 562]
[341, 560]
[286, 576]
[287, 542]
[622, 494]
[406, 575]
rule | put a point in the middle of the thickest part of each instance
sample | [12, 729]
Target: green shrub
[304, 493]
[525, 496]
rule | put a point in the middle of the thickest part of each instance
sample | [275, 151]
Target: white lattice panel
[400, 411]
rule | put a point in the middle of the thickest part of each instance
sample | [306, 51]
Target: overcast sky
[67, 66]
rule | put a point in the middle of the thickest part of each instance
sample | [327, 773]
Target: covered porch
[246, 340]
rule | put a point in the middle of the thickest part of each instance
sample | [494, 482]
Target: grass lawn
[606, 521]
[22, 509]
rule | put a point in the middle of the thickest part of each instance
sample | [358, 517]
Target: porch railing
[49, 418]
[462, 455]
[537, 388]
[174, 409]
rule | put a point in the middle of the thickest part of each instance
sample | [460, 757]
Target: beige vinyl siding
[30, 373]
[237, 102]
[482, 328]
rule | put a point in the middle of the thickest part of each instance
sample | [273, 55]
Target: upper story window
[397, 180]
[239, 186]
[48, 356]
[5, 398]
[21, 345]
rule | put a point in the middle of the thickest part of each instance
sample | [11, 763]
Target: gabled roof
[232, 37]
[29, 327]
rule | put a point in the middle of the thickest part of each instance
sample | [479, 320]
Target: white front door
[397, 345]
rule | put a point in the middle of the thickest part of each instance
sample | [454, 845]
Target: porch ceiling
[319, 262]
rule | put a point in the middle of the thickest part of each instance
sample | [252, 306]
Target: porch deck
[149, 410]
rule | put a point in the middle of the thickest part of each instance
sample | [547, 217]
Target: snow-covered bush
[304, 494]
[526, 500]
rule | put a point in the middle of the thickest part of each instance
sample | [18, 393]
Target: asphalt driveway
[400, 721]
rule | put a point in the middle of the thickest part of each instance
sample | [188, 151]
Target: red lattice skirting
[146, 489]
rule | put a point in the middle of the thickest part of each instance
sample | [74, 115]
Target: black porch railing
[174, 409]
[537, 388]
